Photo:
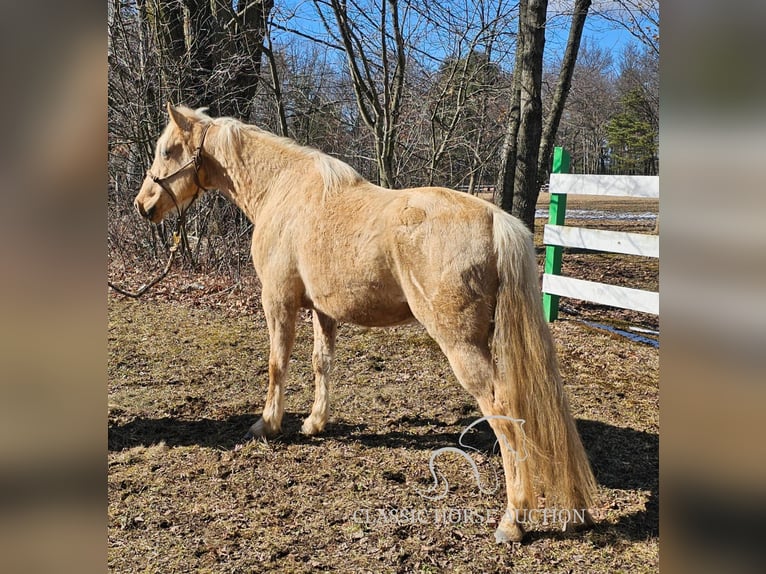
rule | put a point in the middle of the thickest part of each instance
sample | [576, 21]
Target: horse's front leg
[325, 330]
[280, 319]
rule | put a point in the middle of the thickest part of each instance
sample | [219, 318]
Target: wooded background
[471, 95]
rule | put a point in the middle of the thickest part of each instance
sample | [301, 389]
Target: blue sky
[301, 15]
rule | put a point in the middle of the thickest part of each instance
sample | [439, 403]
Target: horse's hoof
[508, 531]
[260, 430]
[311, 427]
[579, 526]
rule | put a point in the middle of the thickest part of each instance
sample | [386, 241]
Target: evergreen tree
[632, 139]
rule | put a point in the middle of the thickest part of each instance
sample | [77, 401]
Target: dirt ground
[188, 367]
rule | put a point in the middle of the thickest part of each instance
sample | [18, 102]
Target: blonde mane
[335, 174]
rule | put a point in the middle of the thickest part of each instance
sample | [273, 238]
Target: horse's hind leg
[325, 330]
[473, 367]
[280, 319]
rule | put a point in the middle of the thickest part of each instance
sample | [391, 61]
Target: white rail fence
[556, 236]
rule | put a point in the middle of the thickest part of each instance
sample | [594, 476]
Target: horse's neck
[248, 181]
[243, 189]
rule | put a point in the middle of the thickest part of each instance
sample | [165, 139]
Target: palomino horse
[328, 240]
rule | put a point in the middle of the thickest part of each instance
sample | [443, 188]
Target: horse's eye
[168, 151]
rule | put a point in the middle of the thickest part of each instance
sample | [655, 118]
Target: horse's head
[173, 181]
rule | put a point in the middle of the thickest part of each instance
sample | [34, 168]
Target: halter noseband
[196, 161]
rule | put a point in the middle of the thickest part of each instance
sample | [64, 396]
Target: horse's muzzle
[144, 212]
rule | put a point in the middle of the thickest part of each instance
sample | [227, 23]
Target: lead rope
[144, 288]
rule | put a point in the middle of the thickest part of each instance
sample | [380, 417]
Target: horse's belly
[369, 305]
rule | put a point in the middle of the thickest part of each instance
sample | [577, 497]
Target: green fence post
[556, 215]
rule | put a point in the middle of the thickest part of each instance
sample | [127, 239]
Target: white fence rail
[647, 186]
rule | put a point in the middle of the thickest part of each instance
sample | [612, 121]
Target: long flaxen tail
[528, 385]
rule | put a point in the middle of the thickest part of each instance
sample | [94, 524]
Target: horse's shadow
[622, 458]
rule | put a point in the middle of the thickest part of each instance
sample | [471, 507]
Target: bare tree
[532, 42]
[563, 86]
[465, 85]
[639, 17]
[375, 50]
[591, 103]
[525, 129]
[504, 188]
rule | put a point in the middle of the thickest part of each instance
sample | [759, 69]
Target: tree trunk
[525, 189]
[252, 19]
[166, 22]
[504, 186]
[202, 36]
[527, 147]
[276, 85]
[562, 90]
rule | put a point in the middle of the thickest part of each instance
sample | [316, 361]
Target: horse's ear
[178, 118]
